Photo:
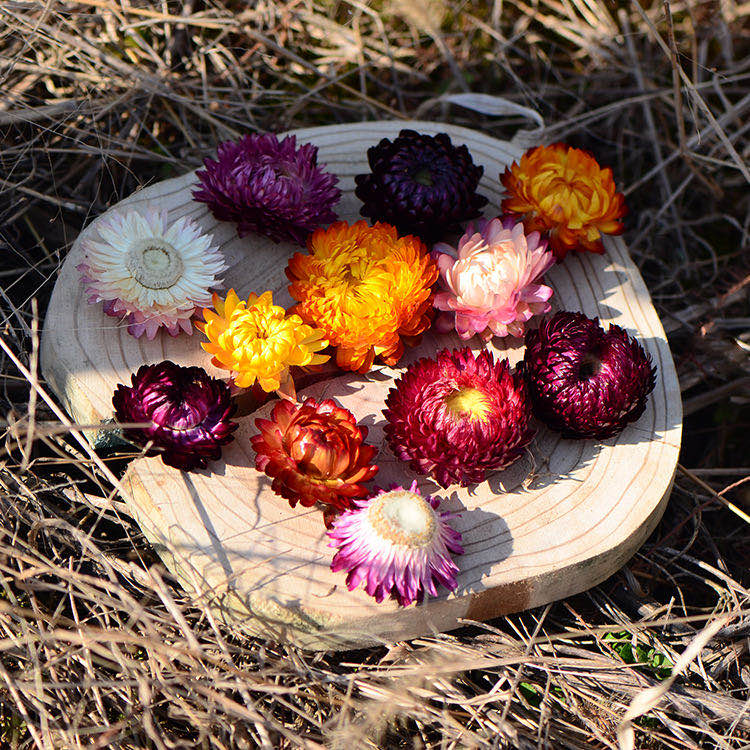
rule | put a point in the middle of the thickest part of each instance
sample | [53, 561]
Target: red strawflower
[583, 381]
[315, 453]
[458, 416]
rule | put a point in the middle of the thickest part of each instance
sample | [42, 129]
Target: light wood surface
[560, 520]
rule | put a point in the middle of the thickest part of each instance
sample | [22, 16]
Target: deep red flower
[458, 416]
[315, 453]
[583, 381]
[187, 410]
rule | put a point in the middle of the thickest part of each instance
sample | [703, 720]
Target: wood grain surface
[558, 521]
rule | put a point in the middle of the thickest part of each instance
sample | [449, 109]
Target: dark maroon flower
[422, 184]
[458, 416]
[187, 409]
[584, 382]
[269, 186]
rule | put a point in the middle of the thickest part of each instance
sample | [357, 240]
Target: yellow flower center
[262, 332]
[469, 402]
[403, 518]
[355, 286]
[154, 264]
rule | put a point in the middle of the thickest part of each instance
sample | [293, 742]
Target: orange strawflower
[257, 340]
[564, 191]
[365, 288]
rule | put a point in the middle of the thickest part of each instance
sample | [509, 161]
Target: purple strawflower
[422, 184]
[397, 543]
[187, 410]
[583, 381]
[269, 186]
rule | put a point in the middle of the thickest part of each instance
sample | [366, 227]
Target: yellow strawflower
[257, 340]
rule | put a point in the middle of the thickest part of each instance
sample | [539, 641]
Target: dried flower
[269, 186]
[397, 543]
[492, 285]
[257, 340]
[315, 453]
[149, 272]
[584, 382]
[422, 184]
[564, 191]
[366, 288]
[458, 416]
[188, 413]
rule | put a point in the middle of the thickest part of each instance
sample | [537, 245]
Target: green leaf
[530, 693]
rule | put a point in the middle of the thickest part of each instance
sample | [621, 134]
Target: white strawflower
[149, 272]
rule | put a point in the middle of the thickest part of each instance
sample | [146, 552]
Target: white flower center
[403, 517]
[154, 263]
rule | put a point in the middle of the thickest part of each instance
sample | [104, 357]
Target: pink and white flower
[149, 272]
[491, 281]
[396, 543]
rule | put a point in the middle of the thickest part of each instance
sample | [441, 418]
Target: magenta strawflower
[269, 186]
[422, 184]
[458, 416]
[583, 381]
[187, 413]
[396, 543]
[491, 281]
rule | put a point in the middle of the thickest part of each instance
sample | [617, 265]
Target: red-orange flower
[365, 288]
[564, 191]
[315, 453]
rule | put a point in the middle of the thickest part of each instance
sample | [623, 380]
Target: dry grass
[99, 647]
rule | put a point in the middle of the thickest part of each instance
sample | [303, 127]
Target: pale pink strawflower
[149, 272]
[491, 281]
[398, 543]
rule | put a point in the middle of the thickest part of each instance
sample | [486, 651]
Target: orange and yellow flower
[564, 191]
[365, 288]
[257, 340]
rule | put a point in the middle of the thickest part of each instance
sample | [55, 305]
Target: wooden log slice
[557, 522]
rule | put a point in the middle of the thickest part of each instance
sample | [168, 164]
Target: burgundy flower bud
[187, 412]
[585, 382]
